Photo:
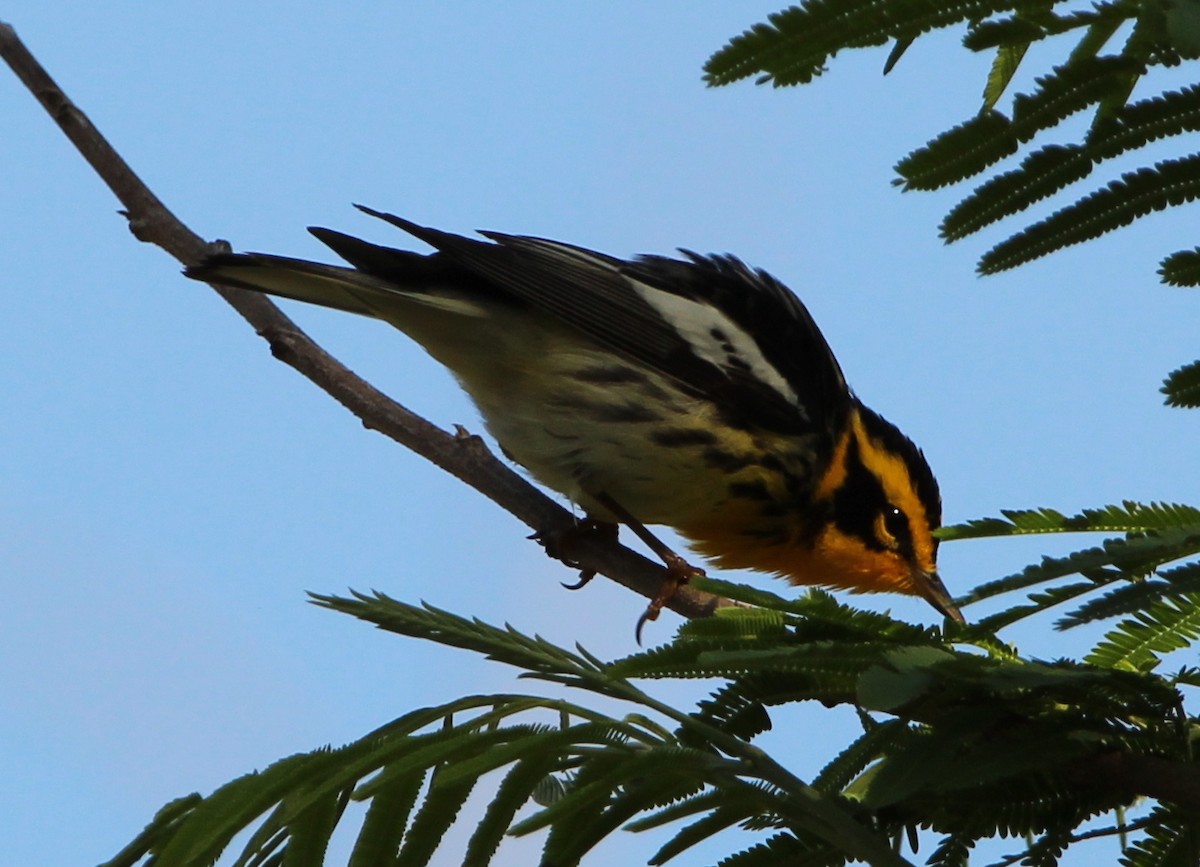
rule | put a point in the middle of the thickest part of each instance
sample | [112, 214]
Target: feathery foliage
[931, 753]
[1125, 568]
[1113, 46]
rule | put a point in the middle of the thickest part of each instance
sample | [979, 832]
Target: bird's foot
[679, 572]
[558, 544]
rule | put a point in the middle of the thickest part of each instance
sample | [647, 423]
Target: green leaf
[383, 828]
[795, 44]
[1054, 167]
[1129, 517]
[429, 825]
[1182, 268]
[1136, 644]
[514, 792]
[695, 833]
[161, 828]
[851, 762]
[1003, 33]
[962, 753]
[641, 780]
[1109, 19]
[1171, 840]
[1136, 194]
[1004, 67]
[1182, 386]
[505, 645]
[213, 822]
[704, 802]
[1135, 557]
[511, 745]
[958, 153]
[898, 49]
[1130, 597]
[735, 623]
[953, 851]
[1041, 174]
[552, 789]
[783, 849]
[904, 677]
[309, 830]
[736, 708]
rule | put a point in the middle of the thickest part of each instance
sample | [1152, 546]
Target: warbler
[692, 392]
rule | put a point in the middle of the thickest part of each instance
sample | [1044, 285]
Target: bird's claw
[679, 572]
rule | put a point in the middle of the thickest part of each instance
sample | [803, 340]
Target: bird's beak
[932, 590]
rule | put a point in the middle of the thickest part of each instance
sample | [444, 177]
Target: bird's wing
[721, 331]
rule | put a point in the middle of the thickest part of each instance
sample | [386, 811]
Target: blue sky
[168, 491]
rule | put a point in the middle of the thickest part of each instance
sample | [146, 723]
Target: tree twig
[1111, 831]
[465, 457]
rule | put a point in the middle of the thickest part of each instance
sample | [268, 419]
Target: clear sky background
[168, 491]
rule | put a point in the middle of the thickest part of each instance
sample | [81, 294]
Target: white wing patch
[715, 337]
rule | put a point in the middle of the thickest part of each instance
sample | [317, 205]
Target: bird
[693, 392]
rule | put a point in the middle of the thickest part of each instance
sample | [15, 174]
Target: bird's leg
[679, 571]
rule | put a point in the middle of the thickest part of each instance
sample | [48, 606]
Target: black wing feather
[785, 331]
[593, 293]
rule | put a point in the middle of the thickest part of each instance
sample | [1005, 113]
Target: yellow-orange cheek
[844, 561]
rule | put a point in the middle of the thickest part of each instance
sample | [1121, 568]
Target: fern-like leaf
[515, 790]
[1182, 386]
[958, 153]
[161, 828]
[1129, 517]
[1140, 123]
[310, 829]
[1135, 596]
[736, 708]
[1041, 174]
[386, 821]
[1024, 27]
[1182, 268]
[1054, 167]
[643, 781]
[1042, 600]
[784, 849]
[697, 832]
[534, 654]
[1014, 30]
[1134, 558]
[795, 44]
[1004, 66]
[1138, 643]
[1171, 840]
[989, 137]
[1134, 195]
[435, 816]
[851, 762]
[1068, 89]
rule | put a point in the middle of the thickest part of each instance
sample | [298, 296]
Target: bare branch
[1136, 774]
[465, 457]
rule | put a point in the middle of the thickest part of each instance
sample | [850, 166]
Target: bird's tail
[385, 283]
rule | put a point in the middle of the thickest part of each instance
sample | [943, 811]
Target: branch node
[281, 341]
[142, 228]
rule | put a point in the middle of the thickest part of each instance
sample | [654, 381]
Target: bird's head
[876, 508]
[866, 525]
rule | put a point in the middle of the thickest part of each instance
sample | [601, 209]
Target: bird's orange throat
[840, 560]
[832, 559]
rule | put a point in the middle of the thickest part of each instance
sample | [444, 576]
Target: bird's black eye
[892, 528]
